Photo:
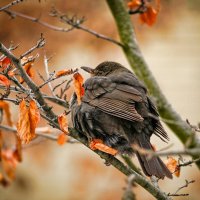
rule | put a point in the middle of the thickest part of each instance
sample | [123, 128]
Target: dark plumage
[116, 109]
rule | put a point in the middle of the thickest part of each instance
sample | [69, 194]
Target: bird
[116, 109]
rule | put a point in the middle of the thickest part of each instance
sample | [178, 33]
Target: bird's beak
[88, 69]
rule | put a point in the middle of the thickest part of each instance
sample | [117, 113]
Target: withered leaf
[63, 123]
[78, 86]
[98, 144]
[4, 80]
[62, 139]
[5, 106]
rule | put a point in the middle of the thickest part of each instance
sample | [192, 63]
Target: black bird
[116, 109]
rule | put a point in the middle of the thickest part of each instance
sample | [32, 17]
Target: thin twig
[40, 133]
[150, 153]
[76, 23]
[40, 43]
[10, 4]
[64, 81]
[175, 194]
[47, 74]
[188, 162]
[14, 14]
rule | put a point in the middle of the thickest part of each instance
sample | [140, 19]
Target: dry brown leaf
[9, 163]
[34, 116]
[4, 80]
[173, 166]
[5, 63]
[149, 16]
[63, 123]
[5, 106]
[62, 139]
[134, 4]
[18, 149]
[78, 86]
[98, 144]
[28, 68]
[28, 120]
[64, 72]
[23, 125]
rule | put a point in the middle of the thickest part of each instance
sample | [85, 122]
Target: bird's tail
[151, 166]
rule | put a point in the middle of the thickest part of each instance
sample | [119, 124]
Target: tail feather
[153, 166]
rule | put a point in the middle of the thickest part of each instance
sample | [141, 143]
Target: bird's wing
[112, 98]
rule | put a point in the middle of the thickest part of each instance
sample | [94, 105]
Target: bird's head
[104, 69]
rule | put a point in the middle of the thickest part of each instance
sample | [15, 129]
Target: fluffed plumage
[116, 109]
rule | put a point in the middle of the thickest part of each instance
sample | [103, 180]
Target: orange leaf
[98, 144]
[149, 16]
[28, 68]
[18, 150]
[5, 106]
[23, 124]
[28, 120]
[64, 72]
[133, 4]
[34, 116]
[78, 85]
[9, 163]
[62, 120]
[4, 80]
[172, 165]
[62, 138]
[177, 171]
[5, 63]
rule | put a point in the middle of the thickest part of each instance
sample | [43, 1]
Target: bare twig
[64, 81]
[14, 14]
[10, 4]
[150, 153]
[47, 74]
[175, 194]
[40, 133]
[56, 100]
[193, 127]
[183, 164]
[40, 43]
[76, 23]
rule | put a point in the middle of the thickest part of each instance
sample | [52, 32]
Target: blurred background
[171, 48]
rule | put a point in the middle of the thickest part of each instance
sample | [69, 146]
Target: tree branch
[141, 69]
[10, 4]
[13, 14]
